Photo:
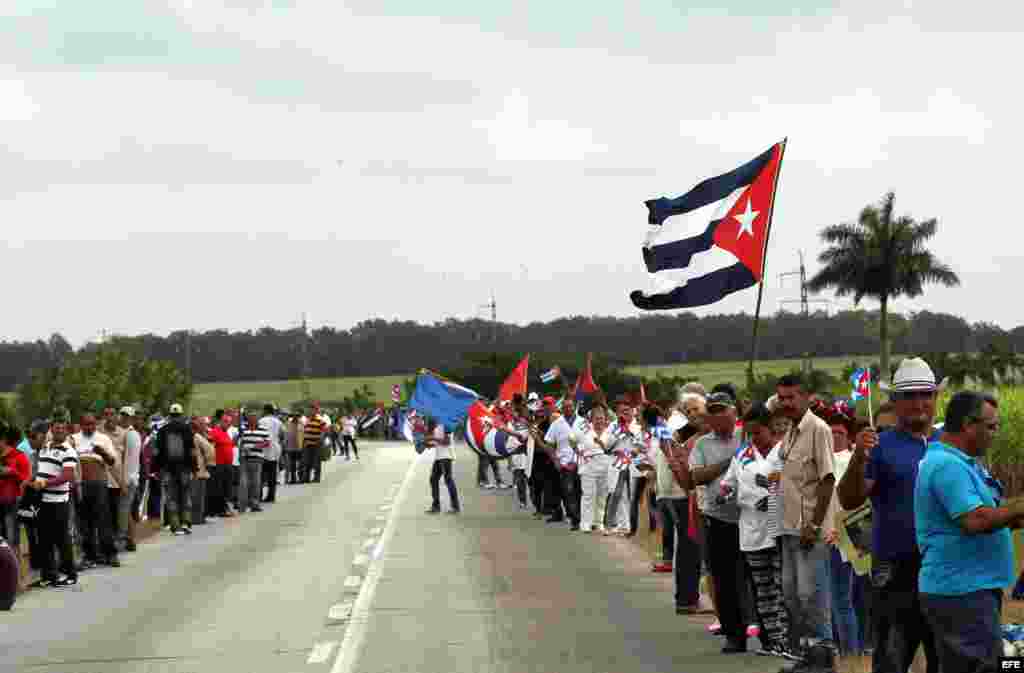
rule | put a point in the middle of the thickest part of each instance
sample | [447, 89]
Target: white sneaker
[490, 486]
[601, 530]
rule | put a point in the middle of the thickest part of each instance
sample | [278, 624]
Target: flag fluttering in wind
[711, 241]
[861, 380]
[485, 435]
[584, 390]
[550, 375]
[444, 400]
[516, 381]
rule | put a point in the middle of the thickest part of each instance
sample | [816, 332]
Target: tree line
[379, 347]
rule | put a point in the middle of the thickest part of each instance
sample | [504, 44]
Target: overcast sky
[209, 164]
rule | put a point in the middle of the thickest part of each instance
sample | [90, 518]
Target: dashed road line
[353, 581]
[361, 560]
[321, 652]
[348, 650]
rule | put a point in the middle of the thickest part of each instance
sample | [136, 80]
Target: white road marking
[321, 652]
[369, 543]
[341, 611]
[384, 508]
[361, 560]
[353, 581]
[348, 651]
[376, 531]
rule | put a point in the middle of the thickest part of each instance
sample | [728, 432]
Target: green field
[211, 396]
[713, 373]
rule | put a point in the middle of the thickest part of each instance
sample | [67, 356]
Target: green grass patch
[735, 371]
[211, 396]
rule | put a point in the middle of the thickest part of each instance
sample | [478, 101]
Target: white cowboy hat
[913, 374]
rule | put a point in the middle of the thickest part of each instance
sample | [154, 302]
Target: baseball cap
[720, 400]
[175, 410]
[758, 413]
[533, 397]
[128, 411]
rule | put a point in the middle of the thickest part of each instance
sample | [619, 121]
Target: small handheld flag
[551, 374]
[396, 393]
[861, 380]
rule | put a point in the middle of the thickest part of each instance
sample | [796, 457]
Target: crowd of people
[750, 495]
[79, 490]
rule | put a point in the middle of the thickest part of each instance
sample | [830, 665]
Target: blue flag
[446, 401]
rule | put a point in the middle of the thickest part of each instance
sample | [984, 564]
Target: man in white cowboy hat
[884, 467]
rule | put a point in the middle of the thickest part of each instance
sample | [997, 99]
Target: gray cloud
[137, 164]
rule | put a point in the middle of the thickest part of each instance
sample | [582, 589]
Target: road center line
[348, 651]
[321, 652]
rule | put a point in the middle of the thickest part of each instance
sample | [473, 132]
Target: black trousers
[443, 467]
[683, 551]
[483, 464]
[519, 478]
[350, 443]
[55, 537]
[114, 500]
[221, 488]
[728, 572]
[270, 479]
[311, 465]
[634, 506]
[967, 630]
[571, 494]
[97, 530]
[292, 461]
[899, 621]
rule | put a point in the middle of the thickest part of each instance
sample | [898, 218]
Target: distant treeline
[379, 347]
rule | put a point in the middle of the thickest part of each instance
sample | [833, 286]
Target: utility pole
[493, 305]
[188, 367]
[805, 304]
[305, 358]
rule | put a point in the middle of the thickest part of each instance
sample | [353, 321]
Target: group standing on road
[752, 495]
[78, 491]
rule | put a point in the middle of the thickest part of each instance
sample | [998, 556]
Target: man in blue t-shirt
[883, 467]
[963, 531]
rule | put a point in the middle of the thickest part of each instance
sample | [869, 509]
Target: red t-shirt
[10, 484]
[223, 446]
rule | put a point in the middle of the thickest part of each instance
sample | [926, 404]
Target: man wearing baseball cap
[172, 456]
[709, 460]
[884, 467]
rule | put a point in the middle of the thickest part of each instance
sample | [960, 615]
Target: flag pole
[871, 413]
[764, 265]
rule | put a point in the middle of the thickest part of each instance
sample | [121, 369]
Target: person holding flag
[444, 454]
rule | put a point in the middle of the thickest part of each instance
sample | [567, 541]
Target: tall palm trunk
[883, 334]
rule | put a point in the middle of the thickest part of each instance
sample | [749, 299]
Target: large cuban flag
[711, 241]
[485, 435]
[442, 399]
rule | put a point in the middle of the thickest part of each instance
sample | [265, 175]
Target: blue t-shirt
[950, 484]
[893, 466]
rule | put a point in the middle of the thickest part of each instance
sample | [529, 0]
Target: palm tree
[880, 256]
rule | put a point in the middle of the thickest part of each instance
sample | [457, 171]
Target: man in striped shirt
[312, 438]
[55, 472]
[254, 442]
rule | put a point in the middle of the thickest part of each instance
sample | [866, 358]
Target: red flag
[585, 386]
[516, 381]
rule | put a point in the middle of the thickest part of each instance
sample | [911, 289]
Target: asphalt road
[352, 575]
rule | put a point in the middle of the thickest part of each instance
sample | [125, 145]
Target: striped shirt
[254, 442]
[52, 461]
[313, 433]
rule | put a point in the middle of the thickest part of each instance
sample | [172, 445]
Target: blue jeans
[805, 587]
[967, 630]
[844, 617]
